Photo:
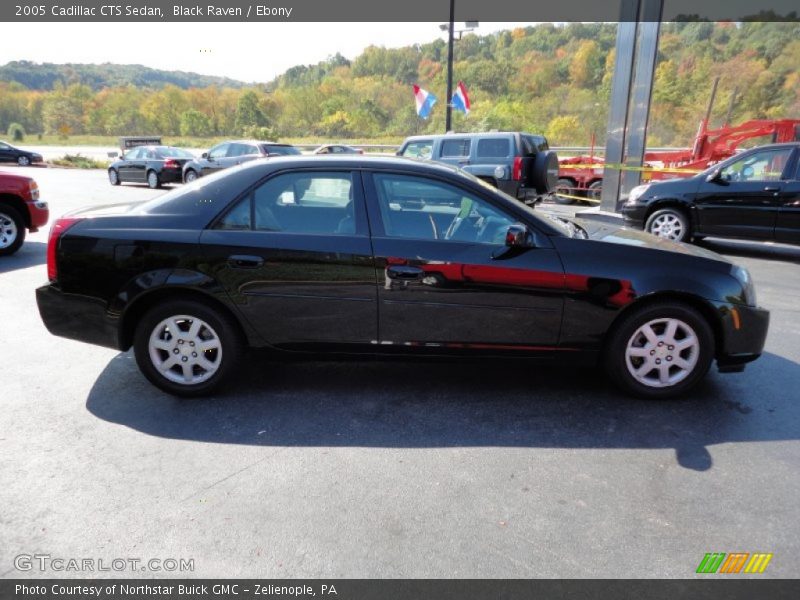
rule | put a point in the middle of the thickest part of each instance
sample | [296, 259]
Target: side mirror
[519, 236]
[714, 176]
[204, 155]
[398, 153]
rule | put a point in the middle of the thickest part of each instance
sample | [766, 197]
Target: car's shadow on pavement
[30, 255]
[762, 250]
[446, 404]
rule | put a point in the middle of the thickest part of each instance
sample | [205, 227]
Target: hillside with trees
[547, 78]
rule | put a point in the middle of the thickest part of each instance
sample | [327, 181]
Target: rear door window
[299, 203]
[455, 148]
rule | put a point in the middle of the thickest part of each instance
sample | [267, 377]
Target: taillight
[56, 231]
[516, 173]
[170, 164]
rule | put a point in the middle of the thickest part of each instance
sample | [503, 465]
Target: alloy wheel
[662, 352]
[8, 231]
[185, 349]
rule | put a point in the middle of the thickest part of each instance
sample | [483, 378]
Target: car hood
[624, 236]
[671, 187]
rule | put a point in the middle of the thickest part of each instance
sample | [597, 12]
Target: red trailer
[583, 175]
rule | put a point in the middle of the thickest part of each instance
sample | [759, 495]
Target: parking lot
[390, 469]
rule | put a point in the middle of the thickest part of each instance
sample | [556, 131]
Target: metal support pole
[450, 42]
[620, 93]
[644, 70]
[631, 91]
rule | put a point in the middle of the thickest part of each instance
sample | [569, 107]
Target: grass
[193, 142]
[79, 162]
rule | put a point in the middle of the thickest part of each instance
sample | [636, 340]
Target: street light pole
[450, 41]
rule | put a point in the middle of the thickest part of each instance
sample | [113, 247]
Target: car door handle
[404, 272]
[245, 261]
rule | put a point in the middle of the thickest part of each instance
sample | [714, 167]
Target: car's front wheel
[23, 161]
[660, 351]
[669, 223]
[12, 230]
[152, 180]
[186, 347]
[113, 177]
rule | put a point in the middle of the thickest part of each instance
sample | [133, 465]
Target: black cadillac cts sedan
[387, 256]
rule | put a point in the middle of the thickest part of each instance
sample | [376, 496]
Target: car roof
[483, 134]
[354, 161]
[263, 142]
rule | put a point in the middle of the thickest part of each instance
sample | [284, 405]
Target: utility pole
[450, 41]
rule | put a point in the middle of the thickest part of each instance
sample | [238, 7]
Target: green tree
[16, 132]
[195, 123]
[248, 112]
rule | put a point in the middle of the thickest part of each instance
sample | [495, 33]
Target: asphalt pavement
[390, 469]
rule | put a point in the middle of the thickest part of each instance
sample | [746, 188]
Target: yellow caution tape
[581, 198]
[627, 168]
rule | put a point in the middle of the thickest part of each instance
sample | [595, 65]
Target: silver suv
[520, 164]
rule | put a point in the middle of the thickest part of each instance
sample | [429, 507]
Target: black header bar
[713, 588]
[381, 10]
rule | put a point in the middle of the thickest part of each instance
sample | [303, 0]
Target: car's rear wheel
[669, 223]
[660, 351]
[152, 180]
[187, 348]
[12, 230]
[595, 190]
[565, 186]
[113, 177]
[23, 161]
[191, 175]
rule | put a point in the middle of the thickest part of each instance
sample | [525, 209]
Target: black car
[754, 195]
[23, 158]
[387, 256]
[152, 165]
[229, 154]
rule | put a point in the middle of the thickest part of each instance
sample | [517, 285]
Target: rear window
[531, 144]
[494, 148]
[174, 153]
[281, 150]
[452, 148]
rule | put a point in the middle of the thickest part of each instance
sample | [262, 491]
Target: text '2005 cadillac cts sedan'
[387, 256]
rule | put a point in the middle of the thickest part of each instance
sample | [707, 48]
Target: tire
[23, 161]
[669, 223]
[113, 177]
[545, 172]
[12, 230]
[642, 339]
[174, 363]
[152, 180]
[567, 187]
[191, 175]
[595, 190]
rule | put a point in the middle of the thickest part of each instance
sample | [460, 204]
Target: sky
[250, 52]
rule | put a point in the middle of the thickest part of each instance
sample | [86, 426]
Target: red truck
[20, 211]
[583, 175]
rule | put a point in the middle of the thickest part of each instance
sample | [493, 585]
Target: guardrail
[566, 150]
